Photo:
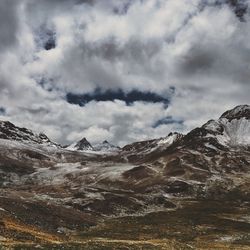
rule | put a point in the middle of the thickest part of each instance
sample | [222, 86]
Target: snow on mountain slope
[171, 138]
[151, 145]
[237, 132]
[232, 128]
[95, 172]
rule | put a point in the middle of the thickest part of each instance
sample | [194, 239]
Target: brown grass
[37, 233]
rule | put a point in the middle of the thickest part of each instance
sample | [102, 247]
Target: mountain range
[52, 194]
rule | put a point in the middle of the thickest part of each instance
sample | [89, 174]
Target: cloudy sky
[121, 70]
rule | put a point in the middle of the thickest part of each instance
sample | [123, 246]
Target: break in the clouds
[111, 95]
[121, 70]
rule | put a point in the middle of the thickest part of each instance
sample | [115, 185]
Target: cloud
[167, 120]
[8, 23]
[133, 53]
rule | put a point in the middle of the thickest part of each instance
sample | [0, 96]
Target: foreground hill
[182, 189]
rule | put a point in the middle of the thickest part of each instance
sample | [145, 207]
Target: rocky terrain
[179, 192]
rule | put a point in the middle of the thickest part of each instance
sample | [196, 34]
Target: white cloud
[202, 51]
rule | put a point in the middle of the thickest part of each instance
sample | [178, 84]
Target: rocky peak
[232, 129]
[44, 137]
[81, 145]
[241, 111]
[9, 131]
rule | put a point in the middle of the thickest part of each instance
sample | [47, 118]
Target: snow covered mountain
[82, 145]
[85, 146]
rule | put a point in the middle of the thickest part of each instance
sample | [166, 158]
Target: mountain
[191, 188]
[143, 150]
[82, 145]
[232, 129]
[11, 132]
[105, 146]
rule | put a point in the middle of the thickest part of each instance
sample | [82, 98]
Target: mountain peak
[231, 129]
[81, 145]
[83, 140]
[9, 131]
[241, 111]
[105, 146]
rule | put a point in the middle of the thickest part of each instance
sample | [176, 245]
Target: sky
[121, 70]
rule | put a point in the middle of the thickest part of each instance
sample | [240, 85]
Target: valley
[179, 192]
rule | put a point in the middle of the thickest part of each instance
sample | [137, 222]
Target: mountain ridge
[218, 130]
[9, 131]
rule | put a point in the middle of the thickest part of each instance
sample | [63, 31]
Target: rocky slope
[9, 131]
[52, 186]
